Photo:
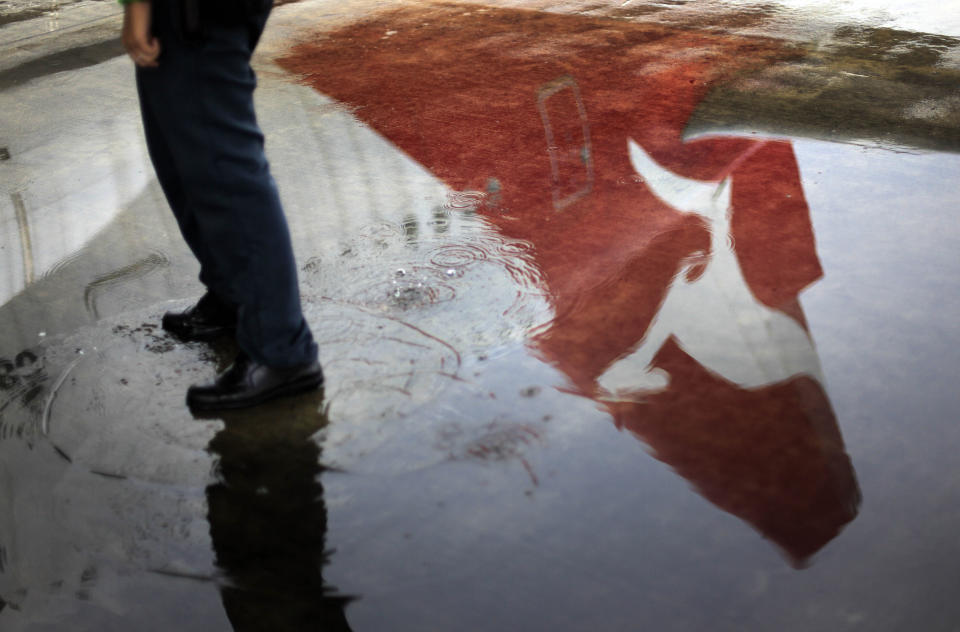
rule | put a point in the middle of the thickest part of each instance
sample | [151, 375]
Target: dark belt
[197, 15]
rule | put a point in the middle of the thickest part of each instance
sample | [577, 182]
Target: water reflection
[65, 179]
[268, 520]
[673, 268]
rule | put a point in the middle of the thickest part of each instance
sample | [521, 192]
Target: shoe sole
[291, 388]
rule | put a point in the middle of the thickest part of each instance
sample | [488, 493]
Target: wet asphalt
[633, 315]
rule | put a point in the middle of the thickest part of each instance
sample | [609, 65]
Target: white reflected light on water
[925, 16]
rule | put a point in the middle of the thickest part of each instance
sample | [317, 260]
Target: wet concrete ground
[633, 315]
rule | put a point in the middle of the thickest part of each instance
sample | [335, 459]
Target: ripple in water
[514, 256]
[516, 248]
[154, 260]
[493, 280]
[63, 264]
[458, 255]
[465, 200]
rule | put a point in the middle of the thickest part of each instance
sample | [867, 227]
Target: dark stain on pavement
[880, 85]
[71, 59]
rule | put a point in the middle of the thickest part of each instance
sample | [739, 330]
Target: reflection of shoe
[205, 321]
[248, 383]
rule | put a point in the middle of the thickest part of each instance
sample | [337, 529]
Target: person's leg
[212, 316]
[200, 102]
[153, 88]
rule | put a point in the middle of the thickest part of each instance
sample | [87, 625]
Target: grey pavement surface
[466, 466]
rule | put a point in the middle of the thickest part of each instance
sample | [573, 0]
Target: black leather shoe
[208, 320]
[248, 383]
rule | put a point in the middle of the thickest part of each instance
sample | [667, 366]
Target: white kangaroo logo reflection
[713, 316]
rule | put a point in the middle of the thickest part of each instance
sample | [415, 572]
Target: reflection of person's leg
[268, 523]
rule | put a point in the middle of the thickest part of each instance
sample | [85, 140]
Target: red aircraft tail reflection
[674, 268]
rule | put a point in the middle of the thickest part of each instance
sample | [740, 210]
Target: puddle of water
[674, 283]
[625, 395]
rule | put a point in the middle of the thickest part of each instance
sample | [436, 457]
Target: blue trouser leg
[208, 153]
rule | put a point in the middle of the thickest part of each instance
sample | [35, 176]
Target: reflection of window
[26, 247]
[568, 140]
